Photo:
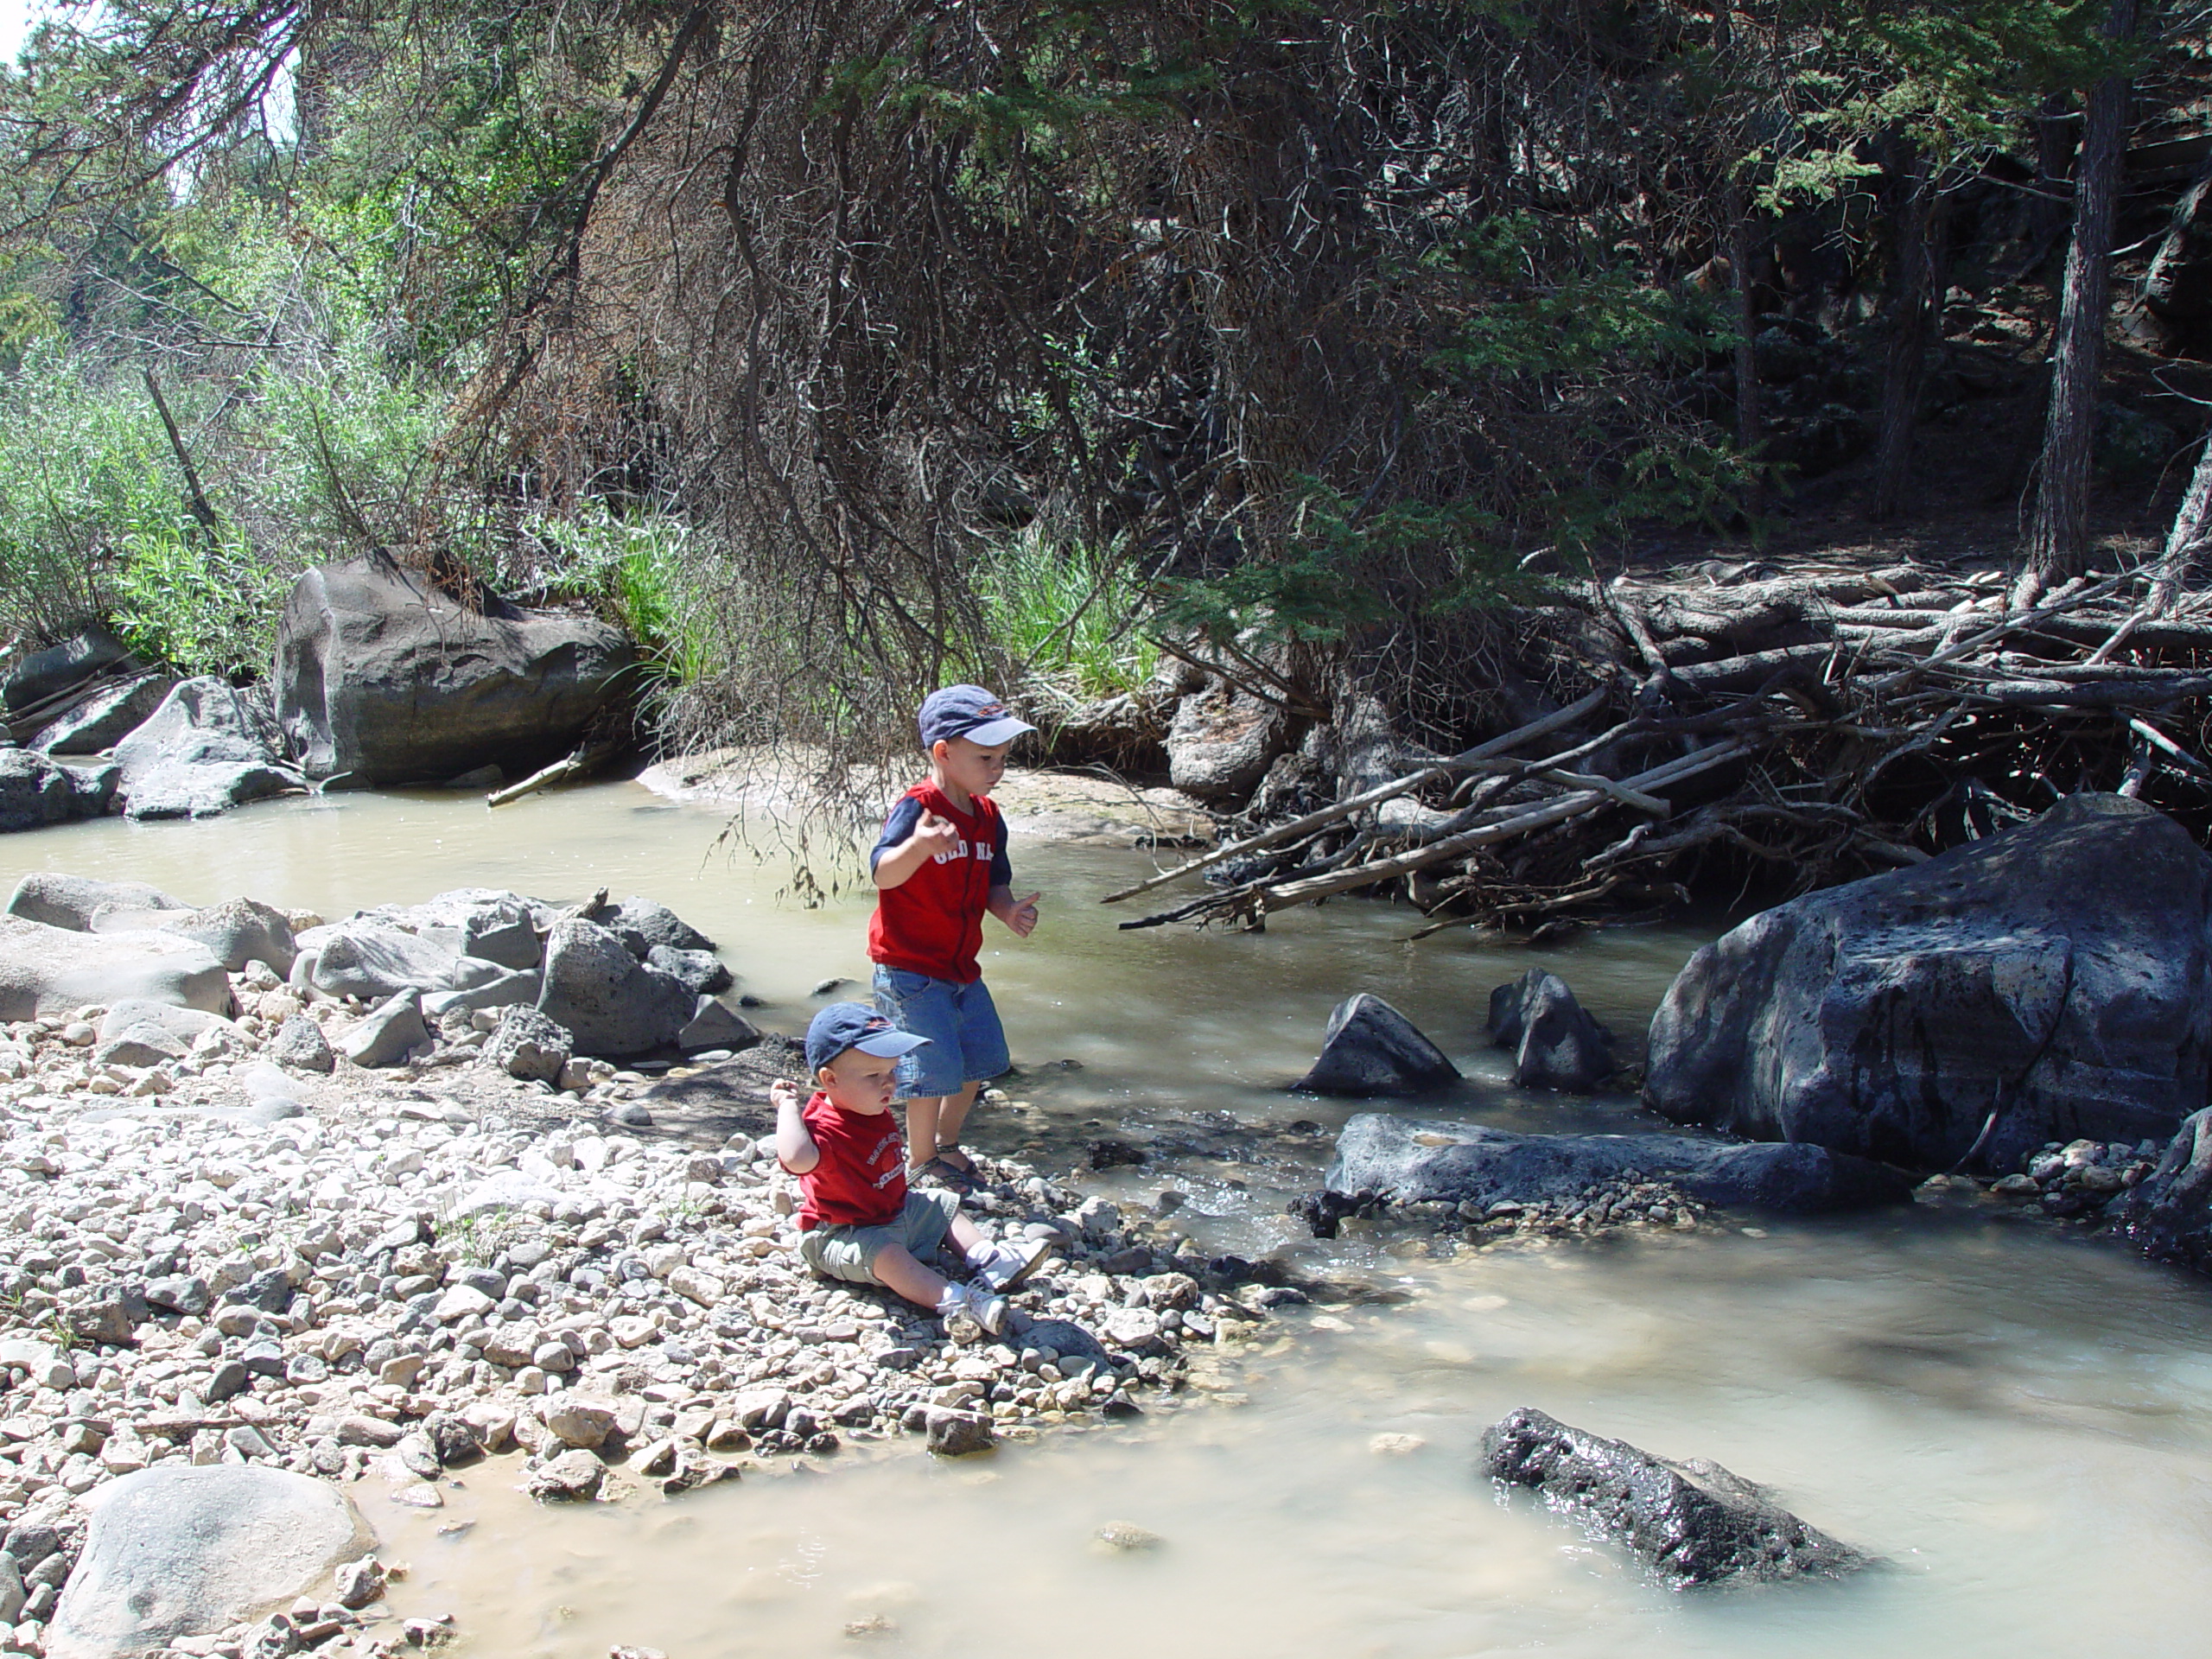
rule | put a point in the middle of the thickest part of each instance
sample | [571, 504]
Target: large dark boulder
[1407, 1163]
[612, 1004]
[1556, 1043]
[46, 674]
[2058, 975]
[2170, 1215]
[208, 748]
[36, 791]
[1694, 1522]
[101, 718]
[383, 679]
[1369, 1049]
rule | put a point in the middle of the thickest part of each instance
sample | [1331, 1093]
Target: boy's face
[859, 1082]
[969, 767]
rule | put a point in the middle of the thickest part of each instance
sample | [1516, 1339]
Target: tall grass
[1066, 616]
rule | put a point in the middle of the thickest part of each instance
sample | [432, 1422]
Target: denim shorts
[849, 1253]
[966, 1044]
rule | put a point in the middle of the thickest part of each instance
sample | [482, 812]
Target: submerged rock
[1694, 1522]
[1556, 1043]
[382, 678]
[2170, 1213]
[2057, 976]
[1371, 1049]
[208, 748]
[1405, 1162]
[177, 1551]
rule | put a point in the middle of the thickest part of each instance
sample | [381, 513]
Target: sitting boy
[858, 1222]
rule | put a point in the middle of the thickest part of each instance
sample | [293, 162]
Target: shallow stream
[2020, 1423]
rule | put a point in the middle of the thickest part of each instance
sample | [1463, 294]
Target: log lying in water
[1802, 723]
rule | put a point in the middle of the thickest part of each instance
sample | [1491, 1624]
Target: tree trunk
[1905, 371]
[2058, 536]
[1748, 430]
[2191, 537]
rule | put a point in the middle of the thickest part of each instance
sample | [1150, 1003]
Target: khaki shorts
[849, 1253]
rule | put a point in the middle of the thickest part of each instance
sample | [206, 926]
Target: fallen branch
[581, 764]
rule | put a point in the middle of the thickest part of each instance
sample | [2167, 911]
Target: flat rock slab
[51, 971]
[71, 901]
[1693, 1522]
[1409, 1163]
[730, 1098]
[180, 1551]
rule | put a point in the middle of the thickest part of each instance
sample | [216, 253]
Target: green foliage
[1065, 614]
[201, 605]
[641, 567]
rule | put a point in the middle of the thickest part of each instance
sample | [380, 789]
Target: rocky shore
[241, 1246]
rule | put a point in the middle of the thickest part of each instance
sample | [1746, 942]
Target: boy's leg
[925, 1115]
[897, 1270]
[949, 1112]
[982, 1054]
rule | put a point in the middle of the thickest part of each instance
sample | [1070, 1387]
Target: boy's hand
[939, 835]
[1022, 919]
[783, 1092]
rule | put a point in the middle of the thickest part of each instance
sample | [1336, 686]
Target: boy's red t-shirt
[861, 1180]
[932, 922]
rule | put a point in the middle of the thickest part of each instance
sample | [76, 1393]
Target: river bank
[1996, 1410]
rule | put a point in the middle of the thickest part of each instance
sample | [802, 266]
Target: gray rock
[389, 1032]
[183, 1025]
[1556, 1045]
[1222, 742]
[2170, 1214]
[642, 925]
[612, 1003]
[510, 988]
[179, 1294]
[716, 1025]
[1694, 1522]
[49, 673]
[572, 1477]
[527, 1045]
[380, 677]
[70, 901]
[703, 970]
[372, 959]
[104, 718]
[955, 1433]
[1065, 1337]
[506, 934]
[143, 1044]
[179, 1551]
[45, 971]
[1371, 1049]
[208, 748]
[36, 791]
[1409, 1163]
[12, 1590]
[240, 930]
[2059, 973]
[300, 1044]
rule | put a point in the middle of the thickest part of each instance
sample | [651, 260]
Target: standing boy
[940, 864]
[858, 1222]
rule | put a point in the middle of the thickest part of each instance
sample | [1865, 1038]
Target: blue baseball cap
[850, 1025]
[968, 711]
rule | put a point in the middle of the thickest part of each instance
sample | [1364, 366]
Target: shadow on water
[2022, 1424]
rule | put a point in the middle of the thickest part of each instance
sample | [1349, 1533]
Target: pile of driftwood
[1814, 725]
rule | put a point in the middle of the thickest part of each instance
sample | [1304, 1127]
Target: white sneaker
[976, 1302]
[1009, 1264]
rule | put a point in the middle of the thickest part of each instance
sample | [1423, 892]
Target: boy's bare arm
[1020, 914]
[795, 1148]
[931, 836]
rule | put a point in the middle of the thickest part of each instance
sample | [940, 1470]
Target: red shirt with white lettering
[932, 922]
[861, 1179]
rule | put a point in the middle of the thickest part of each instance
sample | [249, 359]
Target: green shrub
[1066, 615]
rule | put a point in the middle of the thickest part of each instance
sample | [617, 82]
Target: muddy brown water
[2020, 1422]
